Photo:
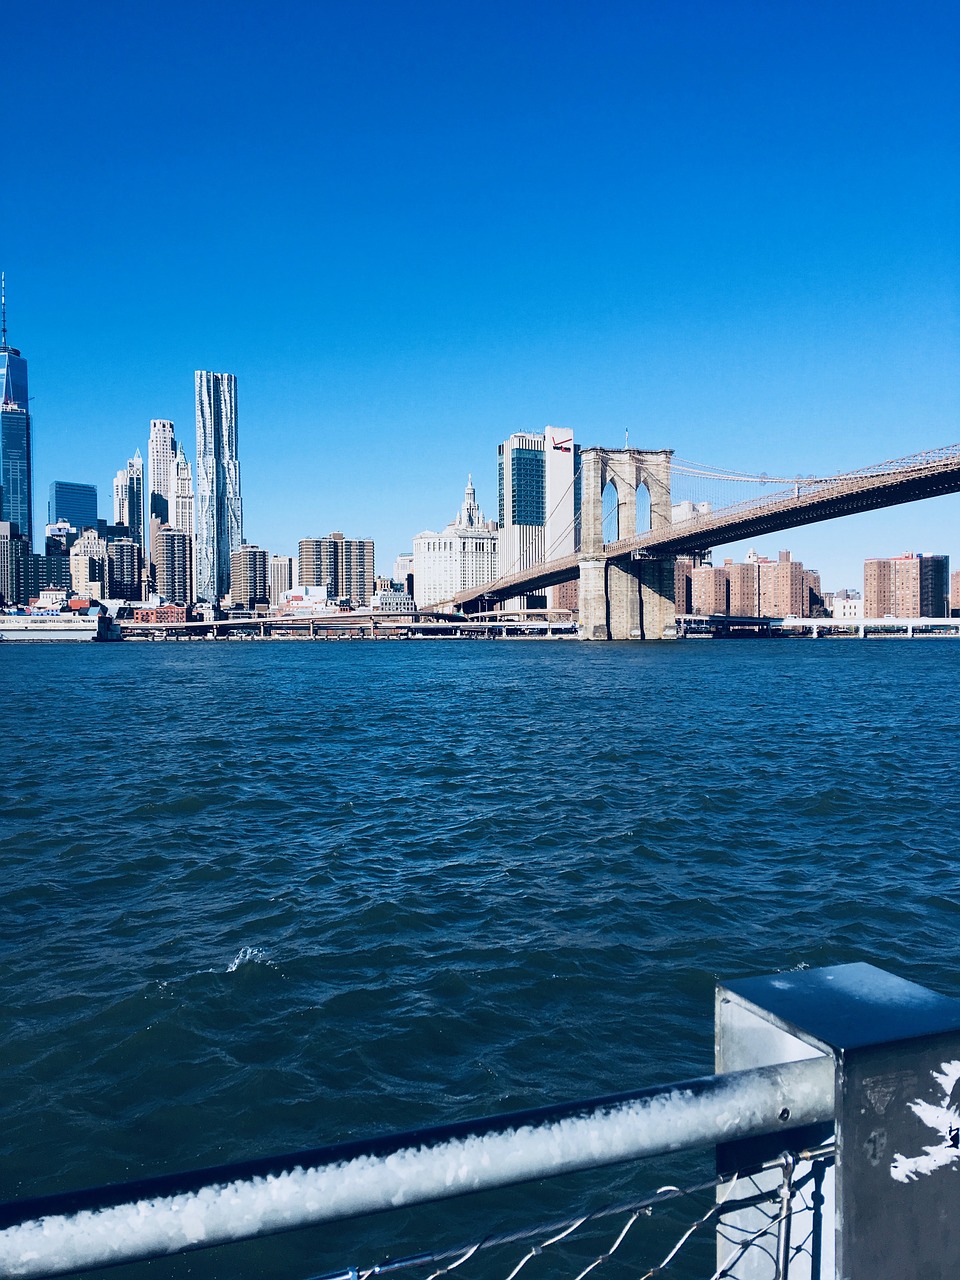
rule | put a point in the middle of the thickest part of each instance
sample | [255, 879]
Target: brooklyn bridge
[626, 574]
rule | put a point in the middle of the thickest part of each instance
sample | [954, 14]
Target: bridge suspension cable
[702, 471]
[706, 471]
[552, 550]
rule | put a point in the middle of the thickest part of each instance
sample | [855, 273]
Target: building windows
[529, 487]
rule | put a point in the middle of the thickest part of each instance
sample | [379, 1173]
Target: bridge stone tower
[626, 599]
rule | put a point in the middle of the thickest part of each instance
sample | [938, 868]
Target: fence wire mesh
[771, 1211]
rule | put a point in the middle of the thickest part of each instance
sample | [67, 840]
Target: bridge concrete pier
[658, 610]
[622, 598]
[593, 598]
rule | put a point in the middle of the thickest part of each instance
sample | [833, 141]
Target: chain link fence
[771, 1211]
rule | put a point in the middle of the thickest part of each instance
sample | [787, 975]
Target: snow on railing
[104, 1226]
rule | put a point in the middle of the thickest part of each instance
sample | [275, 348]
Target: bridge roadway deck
[806, 503]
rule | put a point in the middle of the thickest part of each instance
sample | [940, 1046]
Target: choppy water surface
[264, 896]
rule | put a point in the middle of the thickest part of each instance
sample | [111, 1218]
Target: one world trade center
[16, 443]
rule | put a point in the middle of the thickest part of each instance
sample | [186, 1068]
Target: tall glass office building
[74, 502]
[16, 437]
[539, 501]
[219, 528]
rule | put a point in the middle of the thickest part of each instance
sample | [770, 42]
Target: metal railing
[871, 1058]
[59, 1235]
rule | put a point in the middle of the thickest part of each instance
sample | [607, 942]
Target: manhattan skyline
[728, 232]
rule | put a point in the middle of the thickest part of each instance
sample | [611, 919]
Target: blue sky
[412, 228]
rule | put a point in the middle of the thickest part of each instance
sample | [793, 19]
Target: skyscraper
[76, 503]
[173, 551]
[16, 433]
[343, 565]
[124, 569]
[460, 556]
[161, 458]
[128, 498]
[170, 494]
[181, 513]
[16, 565]
[521, 475]
[161, 463]
[249, 577]
[88, 566]
[539, 501]
[219, 529]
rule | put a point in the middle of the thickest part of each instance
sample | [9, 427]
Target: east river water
[264, 896]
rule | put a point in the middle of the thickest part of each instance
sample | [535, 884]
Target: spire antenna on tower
[3, 308]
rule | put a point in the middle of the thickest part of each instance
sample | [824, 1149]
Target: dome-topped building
[459, 557]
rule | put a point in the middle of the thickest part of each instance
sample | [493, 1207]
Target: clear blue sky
[413, 227]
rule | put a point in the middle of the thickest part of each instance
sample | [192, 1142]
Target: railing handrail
[61, 1234]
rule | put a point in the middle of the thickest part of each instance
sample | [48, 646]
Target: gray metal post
[892, 1210]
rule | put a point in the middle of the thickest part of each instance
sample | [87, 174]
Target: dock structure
[505, 624]
[726, 625]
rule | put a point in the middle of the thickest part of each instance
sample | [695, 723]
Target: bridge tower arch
[632, 599]
[611, 512]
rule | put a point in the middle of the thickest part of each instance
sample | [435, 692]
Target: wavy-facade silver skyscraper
[219, 527]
